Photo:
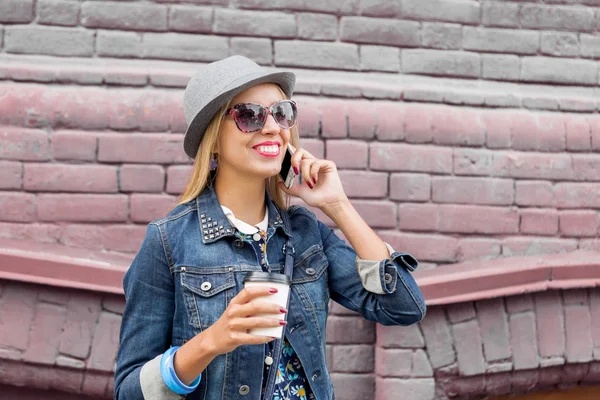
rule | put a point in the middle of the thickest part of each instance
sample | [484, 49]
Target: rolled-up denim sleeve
[383, 291]
[147, 323]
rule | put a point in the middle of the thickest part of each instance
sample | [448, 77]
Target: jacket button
[310, 271]
[205, 286]
[388, 278]
[244, 390]
[315, 376]
[238, 243]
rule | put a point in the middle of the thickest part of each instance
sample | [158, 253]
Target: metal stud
[202, 215]
[211, 230]
[205, 237]
[209, 219]
[203, 221]
[204, 226]
[212, 236]
[228, 230]
[215, 223]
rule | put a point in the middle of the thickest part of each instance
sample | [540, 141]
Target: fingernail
[273, 290]
[296, 171]
[315, 181]
[283, 310]
[283, 323]
[309, 185]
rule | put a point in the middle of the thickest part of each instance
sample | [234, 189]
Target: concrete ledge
[503, 277]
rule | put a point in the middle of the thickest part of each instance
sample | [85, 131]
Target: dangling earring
[213, 162]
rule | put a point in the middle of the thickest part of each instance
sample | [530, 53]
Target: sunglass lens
[249, 117]
[285, 113]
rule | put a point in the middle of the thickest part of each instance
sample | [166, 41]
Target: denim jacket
[192, 263]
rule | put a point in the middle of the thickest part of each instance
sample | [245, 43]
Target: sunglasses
[250, 117]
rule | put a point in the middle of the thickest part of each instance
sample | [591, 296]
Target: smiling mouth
[268, 151]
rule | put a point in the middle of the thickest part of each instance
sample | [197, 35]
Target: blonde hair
[199, 178]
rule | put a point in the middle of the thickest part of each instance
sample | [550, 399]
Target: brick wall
[464, 130]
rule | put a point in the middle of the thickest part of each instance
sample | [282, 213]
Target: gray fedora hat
[215, 84]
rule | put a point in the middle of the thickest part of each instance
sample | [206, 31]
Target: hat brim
[195, 131]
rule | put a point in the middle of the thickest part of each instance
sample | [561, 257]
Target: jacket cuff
[152, 383]
[380, 277]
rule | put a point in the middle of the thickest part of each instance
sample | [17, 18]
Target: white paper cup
[279, 281]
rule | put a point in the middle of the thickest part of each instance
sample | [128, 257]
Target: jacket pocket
[309, 280]
[207, 293]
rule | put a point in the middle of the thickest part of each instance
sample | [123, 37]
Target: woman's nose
[271, 126]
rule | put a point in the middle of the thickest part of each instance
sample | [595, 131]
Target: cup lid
[258, 276]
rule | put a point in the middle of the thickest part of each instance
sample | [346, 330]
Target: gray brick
[110, 15]
[294, 53]
[540, 103]
[410, 389]
[255, 23]
[441, 35]
[500, 67]
[58, 12]
[553, 70]
[500, 40]
[380, 31]
[381, 8]
[2, 43]
[46, 40]
[15, 11]
[590, 45]
[179, 46]
[562, 44]
[463, 11]
[317, 26]
[343, 7]
[353, 358]
[118, 44]
[191, 19]
[557, 17]
[444, 63]
[501, 14]
[260, 50]
[379, 58]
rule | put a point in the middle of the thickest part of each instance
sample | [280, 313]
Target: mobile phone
[287, 173]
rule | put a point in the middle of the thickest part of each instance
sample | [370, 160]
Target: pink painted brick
[105, 343]
[529, 246]
[177, 177]
[53, 295]
[421, 368]
[537, 132]
[385, 157]
[148, 207]
[400, 336]
[435, 248]
[390, 121]
[579, 223]
[438, 338]
[350, 330]
[535, 193]
[141, 178]
[468, 345]
[473, 191]
[23, 144]
[494, 329]
[83, 311]
[17, 310]
[411, 389]
[523, 340]
[316, 147]
[519, 303]
[460, 312]
[70, 178]
[82, 207]
[88, 236]
[79, 146]
[353, 386]
[595, 320]
[585, 167]
[377, 214]
[525, 380]
[153, 149]
[498, 384]
[348, 153]
[353, 358]
[528, 165]
[17, 207]
[393, 362]
[334, 123]
[575, 297]
[549, 316]
[577, 195]
[539, 222]
[418, 123]
[458, 126]
[497, 125]
[113, 303]
[11, 175]
[126, 238]
[44, 334]
[477, 249]
[95, 384]
[418, 217]
[362, 119]
[477, 219]
[365, 184]
[309, 117]
[578, 133]
[579, 334]
[479, 162]
[410, 187]
[594, 122]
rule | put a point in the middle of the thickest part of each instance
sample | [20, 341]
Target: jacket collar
[214, 225]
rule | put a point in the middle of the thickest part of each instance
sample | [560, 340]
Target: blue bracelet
[167, 371]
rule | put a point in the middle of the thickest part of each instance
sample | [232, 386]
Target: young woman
[185, 329]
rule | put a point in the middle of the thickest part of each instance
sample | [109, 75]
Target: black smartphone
[287, 173]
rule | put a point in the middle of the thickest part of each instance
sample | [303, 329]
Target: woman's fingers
[244, 324]
[248, 294]
[255, 308]
[305, 167]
